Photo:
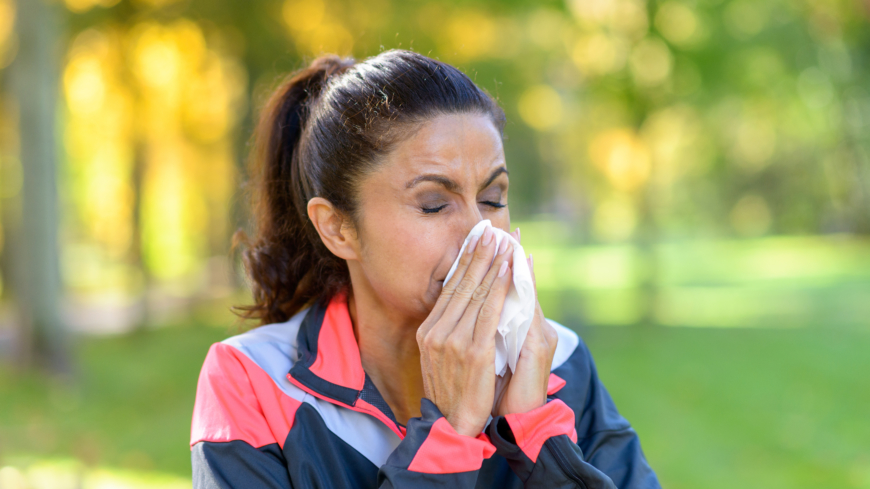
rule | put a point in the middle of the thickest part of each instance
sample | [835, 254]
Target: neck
[389, 353]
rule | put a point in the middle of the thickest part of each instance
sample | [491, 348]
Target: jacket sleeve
[236, 464]
[232, 443]
[433, 454]
[541, 448]
[578, 434]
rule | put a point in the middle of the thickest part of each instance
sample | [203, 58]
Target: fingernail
[487, 236]
[502, 269]
[472, 244]
[502, 247]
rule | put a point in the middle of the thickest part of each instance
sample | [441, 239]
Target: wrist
[526, 407]
[462, 427]
[532, 429]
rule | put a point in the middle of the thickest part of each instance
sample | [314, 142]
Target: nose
[466, 222]
[474, 217]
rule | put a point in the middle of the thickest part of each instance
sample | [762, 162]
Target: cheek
[502, 221]
[406, 254]
[400, 258]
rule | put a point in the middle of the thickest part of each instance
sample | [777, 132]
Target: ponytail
[287, 263]
[320, 133]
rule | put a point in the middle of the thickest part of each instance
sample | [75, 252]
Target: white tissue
[519, 306]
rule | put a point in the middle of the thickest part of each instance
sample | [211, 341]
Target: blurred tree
[632, 121]
[36, 278]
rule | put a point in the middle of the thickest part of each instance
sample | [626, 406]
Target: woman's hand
[457, 340]
[527, 387]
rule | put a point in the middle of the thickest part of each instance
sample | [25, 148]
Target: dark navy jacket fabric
[289, 406]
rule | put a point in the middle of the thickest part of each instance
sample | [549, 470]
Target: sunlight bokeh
[686, 173]
[660, 121]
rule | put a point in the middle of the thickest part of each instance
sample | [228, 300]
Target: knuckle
[542, 348]
[481, 257]
[449, 286]
[480, 293]
[487, 312]
[479, 359]
[432, 343]
[446, 294]
[552, 336]
[465, 287]
[454, 345]
[550, 332]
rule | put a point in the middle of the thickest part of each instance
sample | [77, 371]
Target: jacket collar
[329, 365]
[329, 361]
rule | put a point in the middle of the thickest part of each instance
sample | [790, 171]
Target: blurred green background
[692, 177]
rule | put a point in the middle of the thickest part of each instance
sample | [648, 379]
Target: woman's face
[419, 204]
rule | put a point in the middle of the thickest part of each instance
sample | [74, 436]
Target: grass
[722, 408]
[130, 406]
[765, 408]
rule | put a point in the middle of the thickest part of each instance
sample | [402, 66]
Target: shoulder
[272, 348]
[238, 374]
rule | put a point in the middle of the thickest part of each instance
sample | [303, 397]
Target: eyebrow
[450, 184]
[498, 171]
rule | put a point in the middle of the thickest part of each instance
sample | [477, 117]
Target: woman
[368, 370]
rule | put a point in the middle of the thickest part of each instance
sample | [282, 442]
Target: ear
[337, 234]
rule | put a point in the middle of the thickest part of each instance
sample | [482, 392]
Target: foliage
[630, 120]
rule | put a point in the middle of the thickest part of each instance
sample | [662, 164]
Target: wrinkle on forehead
[463, 147]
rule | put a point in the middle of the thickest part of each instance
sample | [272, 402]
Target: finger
[551, 335]
[467, 254]
[501, 384]
[480, 264]
[459, 295]
[465, 329]
[464, 262]
[490, 312]
[542, 333]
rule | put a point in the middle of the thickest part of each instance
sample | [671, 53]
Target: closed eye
[433, 210]
[493, 204]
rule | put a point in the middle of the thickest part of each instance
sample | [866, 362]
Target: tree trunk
[36, 280]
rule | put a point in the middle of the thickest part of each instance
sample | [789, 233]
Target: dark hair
[320, 132]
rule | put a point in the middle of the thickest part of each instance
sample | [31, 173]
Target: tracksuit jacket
[289, 405]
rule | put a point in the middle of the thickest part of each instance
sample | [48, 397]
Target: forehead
[459, 146]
